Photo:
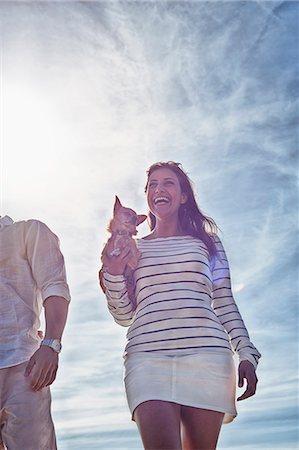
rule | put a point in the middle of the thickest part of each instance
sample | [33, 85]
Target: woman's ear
[184, 198]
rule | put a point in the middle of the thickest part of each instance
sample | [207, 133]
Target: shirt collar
[4, 221]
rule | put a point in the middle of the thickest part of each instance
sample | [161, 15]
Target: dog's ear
[140, 218]
[117, 205]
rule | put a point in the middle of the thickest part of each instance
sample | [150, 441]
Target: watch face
[55, 344]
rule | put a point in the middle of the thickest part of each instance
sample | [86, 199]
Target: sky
[92, 93]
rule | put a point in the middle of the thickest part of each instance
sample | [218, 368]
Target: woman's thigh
[200, 428]
[159, 424]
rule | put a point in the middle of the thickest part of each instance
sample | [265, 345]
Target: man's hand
[42, 368]
[247, 371]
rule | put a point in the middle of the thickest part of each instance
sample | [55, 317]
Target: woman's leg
[159, 425]
[200, 428]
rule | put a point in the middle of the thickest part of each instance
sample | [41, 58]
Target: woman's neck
[166, 229]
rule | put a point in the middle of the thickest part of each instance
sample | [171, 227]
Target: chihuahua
[122, 227]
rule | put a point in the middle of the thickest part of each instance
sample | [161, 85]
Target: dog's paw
[115, 252]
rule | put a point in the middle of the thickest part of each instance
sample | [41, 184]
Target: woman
[179, 371]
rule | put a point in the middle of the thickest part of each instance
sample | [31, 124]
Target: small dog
[122, 227]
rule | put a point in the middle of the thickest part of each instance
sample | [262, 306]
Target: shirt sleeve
[46, 261]
[119, 304]
[227, 311]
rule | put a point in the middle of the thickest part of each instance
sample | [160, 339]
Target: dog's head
[124, 220]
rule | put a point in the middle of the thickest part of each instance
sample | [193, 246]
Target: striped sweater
[184, 301]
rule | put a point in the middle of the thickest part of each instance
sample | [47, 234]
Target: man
[32, 275]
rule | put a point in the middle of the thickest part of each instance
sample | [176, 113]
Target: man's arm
[43, 364]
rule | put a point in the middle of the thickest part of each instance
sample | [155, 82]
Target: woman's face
[164, 193]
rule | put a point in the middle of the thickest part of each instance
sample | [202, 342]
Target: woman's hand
[116, 265]
[246, 370]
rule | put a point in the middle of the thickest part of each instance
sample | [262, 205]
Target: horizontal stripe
[159, 293]
[175, 339]
[180, 299]
[172, 318]
[174, 273]
[186, 348]
[172, 309]
[188, 261]
[175, 328]
[171, 282]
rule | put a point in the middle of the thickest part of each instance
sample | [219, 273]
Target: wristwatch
[55, 344]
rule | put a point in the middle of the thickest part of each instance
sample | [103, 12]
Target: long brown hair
[192, 221]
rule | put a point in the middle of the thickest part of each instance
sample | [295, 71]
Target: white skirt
[203, 380]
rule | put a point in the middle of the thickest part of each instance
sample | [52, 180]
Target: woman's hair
[192, 221]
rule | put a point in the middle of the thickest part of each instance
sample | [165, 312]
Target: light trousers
[25, 415]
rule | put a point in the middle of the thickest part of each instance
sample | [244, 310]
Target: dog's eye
[132, 220]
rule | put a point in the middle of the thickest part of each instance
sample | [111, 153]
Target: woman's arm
[119, 304]
[227, 311]
[114, 285]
